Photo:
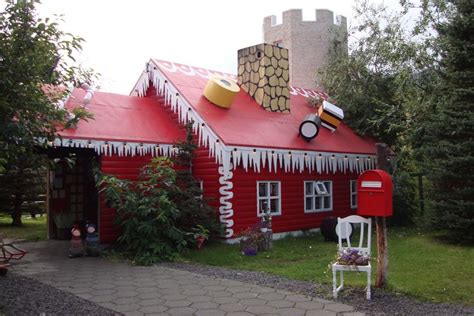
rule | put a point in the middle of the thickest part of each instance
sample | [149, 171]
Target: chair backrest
[365, 233]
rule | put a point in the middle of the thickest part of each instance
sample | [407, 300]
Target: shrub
[160, 213]
[146, 214]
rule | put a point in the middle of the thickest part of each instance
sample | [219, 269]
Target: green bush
[160, 213]
[146, 215]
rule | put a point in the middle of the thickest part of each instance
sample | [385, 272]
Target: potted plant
[63, 223]
[249, 240]
[201, 235]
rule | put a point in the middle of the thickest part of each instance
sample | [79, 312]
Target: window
[317, 196]
[353, 193]
[268, 197]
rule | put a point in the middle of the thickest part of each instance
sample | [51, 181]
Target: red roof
[247, 124]
[123, 118]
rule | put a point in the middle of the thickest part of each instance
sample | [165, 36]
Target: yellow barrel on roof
[221, 91]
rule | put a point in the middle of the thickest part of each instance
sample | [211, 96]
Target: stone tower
[308, 42]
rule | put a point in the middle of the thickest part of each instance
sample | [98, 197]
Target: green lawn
[419, 265]
[32, 229]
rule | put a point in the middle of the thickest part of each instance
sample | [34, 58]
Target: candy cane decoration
[225, 209]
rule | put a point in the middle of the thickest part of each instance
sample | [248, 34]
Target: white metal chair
[344, 229]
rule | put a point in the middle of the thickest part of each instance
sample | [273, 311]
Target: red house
[251, 156]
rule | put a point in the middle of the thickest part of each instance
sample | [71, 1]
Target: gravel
[20, 295]
[382, 302]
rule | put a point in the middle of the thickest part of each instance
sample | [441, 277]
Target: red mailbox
[374, 192]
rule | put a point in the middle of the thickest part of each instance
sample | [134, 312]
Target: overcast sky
[121, 36]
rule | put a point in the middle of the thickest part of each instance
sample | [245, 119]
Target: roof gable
[248, 136]
[246, 123]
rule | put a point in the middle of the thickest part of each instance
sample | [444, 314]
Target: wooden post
[381, 227]
[382, 251]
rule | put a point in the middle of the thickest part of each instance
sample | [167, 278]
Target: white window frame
[353, 194]
[317, 192]
[268, 197]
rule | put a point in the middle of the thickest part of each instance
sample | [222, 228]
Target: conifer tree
[448, 137]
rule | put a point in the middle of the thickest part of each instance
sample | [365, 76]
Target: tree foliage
[37, 63]
[447, 137]
[373, 83]
[408, 82]
[23, 188]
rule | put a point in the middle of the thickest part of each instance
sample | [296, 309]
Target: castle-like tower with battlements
[309, 42]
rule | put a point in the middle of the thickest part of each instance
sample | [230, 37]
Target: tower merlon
[341, 21]
[296, 15]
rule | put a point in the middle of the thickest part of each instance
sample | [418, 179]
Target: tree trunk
[382, 248]
[382, 252]
[16, 214]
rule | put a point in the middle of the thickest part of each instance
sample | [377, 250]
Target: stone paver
[159, 290]
[337, 307]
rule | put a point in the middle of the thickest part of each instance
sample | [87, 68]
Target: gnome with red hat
[76, 249]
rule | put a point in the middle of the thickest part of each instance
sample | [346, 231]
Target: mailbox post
[374, 193]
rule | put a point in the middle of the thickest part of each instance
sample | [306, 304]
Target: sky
[122, 35]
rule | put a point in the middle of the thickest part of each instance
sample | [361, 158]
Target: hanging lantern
[310, 127]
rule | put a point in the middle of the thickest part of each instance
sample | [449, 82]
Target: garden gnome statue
[92, 241]
[76, 249]
[266, 230]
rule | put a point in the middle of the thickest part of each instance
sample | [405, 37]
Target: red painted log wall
[122, 168]
[205, 169]
[292, 190]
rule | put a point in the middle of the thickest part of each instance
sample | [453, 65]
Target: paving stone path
[159, 290]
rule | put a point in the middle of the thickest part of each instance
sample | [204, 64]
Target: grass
[419, 264]
[32, 229]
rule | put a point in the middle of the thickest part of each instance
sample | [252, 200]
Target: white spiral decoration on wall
[226, 211]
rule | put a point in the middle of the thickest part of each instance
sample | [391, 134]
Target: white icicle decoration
[108, 148]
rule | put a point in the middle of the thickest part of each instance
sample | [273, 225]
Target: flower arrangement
[201, 234]
[352, 257]
[251, 234]
[250, 239]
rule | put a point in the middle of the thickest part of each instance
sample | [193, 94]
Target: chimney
[264, 74]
